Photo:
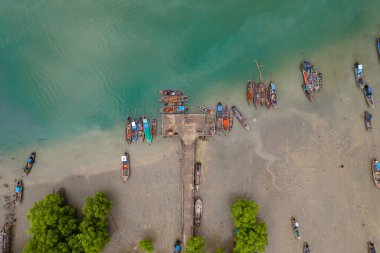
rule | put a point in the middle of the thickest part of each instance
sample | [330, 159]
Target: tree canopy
[195, 244]
[146, 245]
[251, 235]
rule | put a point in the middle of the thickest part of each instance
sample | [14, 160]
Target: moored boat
[140, 128]
[231, 121]
[173, 99]
[368, 120]
[306, 248]
[134, 130]
[198, 212]
[263, 94]
[128, 130]
[205, 110]
[197, 176]
[147, 132]
[174, 109]
[272, 95]
[378, 45]
[250, 92]
[154, 128]
[125, 169]
[358, 69]
[177, 247]
[375, 166]
[170, 93]
[368, 95]
[371, 247]
[239, 116]
[256, 95]
[18, 191]
[226, 119]
[219, 118]
[29, 163]
[296, 228]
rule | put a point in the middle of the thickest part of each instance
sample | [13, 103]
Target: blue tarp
[377, 166]
[181, 108]
[273, 86]
[219, 108]
[18, 189]
[30, 160]
[177, 248]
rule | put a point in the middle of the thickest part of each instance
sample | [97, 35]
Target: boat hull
[29, 165]
[375, 174]
[239, 116]
[250, 92]
[125, 169]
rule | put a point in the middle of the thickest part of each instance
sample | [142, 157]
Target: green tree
[146, 245]
[195, 244]
[219, 250]
[251, 235]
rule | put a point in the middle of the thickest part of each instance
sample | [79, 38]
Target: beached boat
[177, 247]
[250, 92]
[376, 172]
[128, 130]
[125, 169]
[371, 247]
[219, 118]
[226, 119]
[170, 93]
[368, 95]
[140, 128]
[205, 110]
[18, 191]
[29, 163]
[368, 120]
[272, 95]
[197, 175]
[154, 128]
[239, 116]
[173, 99]
[296, 228]
[358, 68]
[316, 78]
[198, 212]
[147, 132]
[378, 45]
[256, 95]
[262, 88]
[306, 248]
[134, 131]
[231, 120]
[310, 78]
[174, 109]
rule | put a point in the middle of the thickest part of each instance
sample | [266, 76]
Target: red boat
[154, 127]
[125, 169]
[128, 130]
[173, 99]
[249, 92]
[226, 119]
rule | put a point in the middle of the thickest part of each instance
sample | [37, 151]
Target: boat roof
[220, 108]
[360, 66]
[124, 158]
[133, 123]
[181, 108]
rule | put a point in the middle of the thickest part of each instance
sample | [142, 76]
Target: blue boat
[134, 131]
[219, 118]
[378, 45]
[148, 134]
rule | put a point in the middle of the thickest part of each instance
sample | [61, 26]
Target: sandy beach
[309, 160]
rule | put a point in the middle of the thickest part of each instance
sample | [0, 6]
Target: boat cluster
[312, 79]
[140, 129]
[368, 93]
[261, 94]
[174, 101]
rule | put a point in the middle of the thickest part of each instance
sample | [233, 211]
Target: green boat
[148, 134]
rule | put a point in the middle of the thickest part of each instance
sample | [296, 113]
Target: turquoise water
[67, 67]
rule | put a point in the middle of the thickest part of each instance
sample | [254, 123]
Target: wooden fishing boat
[219, 118]
[29, 163]
[256, 95]
[231, 121]
[177, 247]
[140, 128]
[378, 45]
[239, 116]
[170, 93]
[18, 191]
[128, 130]
[147, 132]
[125, 169]
[173, 99]
[174, 103]
[316, 79]
[368, 95]
[134, 130]
[272, 95]
[375, 166]
[226, 119]
[358, 70]
[263, 94]
[306, 248]
[250, 92]
[307, 86]
[198, 212]
[197, 175]
[154, 128]
[368, 120]
[296, 228]
[205, 110]
[174, 109]
[371, 247]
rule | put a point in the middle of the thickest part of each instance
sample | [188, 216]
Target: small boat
[307, 86]
[147, 132]
[239, 116]
[197, 176]
[296, 228]
[316, 79]
[198, 212]
[174, 109]
[250, 92]
[170, 93]
[226, 119]
[219, 118]
[18, 192]
[174, 103]
[231, 121]
[173, 99]
[29, 163]
[256, 95]
[125, 169]
[140, 128]
[378, 45]
[262, 88]
[358, 68]
[368, 95]
[272, 95]
[128, 130]
[134, 131]
[371, 247]
[306, 248]
[376, 172]
[368, 120]
[154, 128]
[205, 110]
[177, 247]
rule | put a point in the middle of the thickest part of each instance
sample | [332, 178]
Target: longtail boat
[239, 116]
[219, 118]
[256, 95]
[18, 191]
[250, 92]
[174, 109]
[29, 163]
[231, 121]
[197, 176]
[263, 94]
[307, 85]
[375, 166]
[306, 248]
[140, 129]
[205, 110]
[378, 45]
[154, 128]
[316, 78]
[272, 95]
[358, 68]
[198, 212]
[128, 130]
[173, 99]
[296, 228]
[147, 132]
[371, 247]
[170, 93]
[177, 247]
[368, 95]
[174, 103]
[134, 130]
[368, 120]
[125, 169]
[226, 119]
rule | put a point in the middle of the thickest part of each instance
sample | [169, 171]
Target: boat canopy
[273, 86]
[124, 158]
[133, 123]
[30, 160]
[360, 66]
[220, 108]
[18, 189]
[181, 108]
[377, 167]
[369, 90]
